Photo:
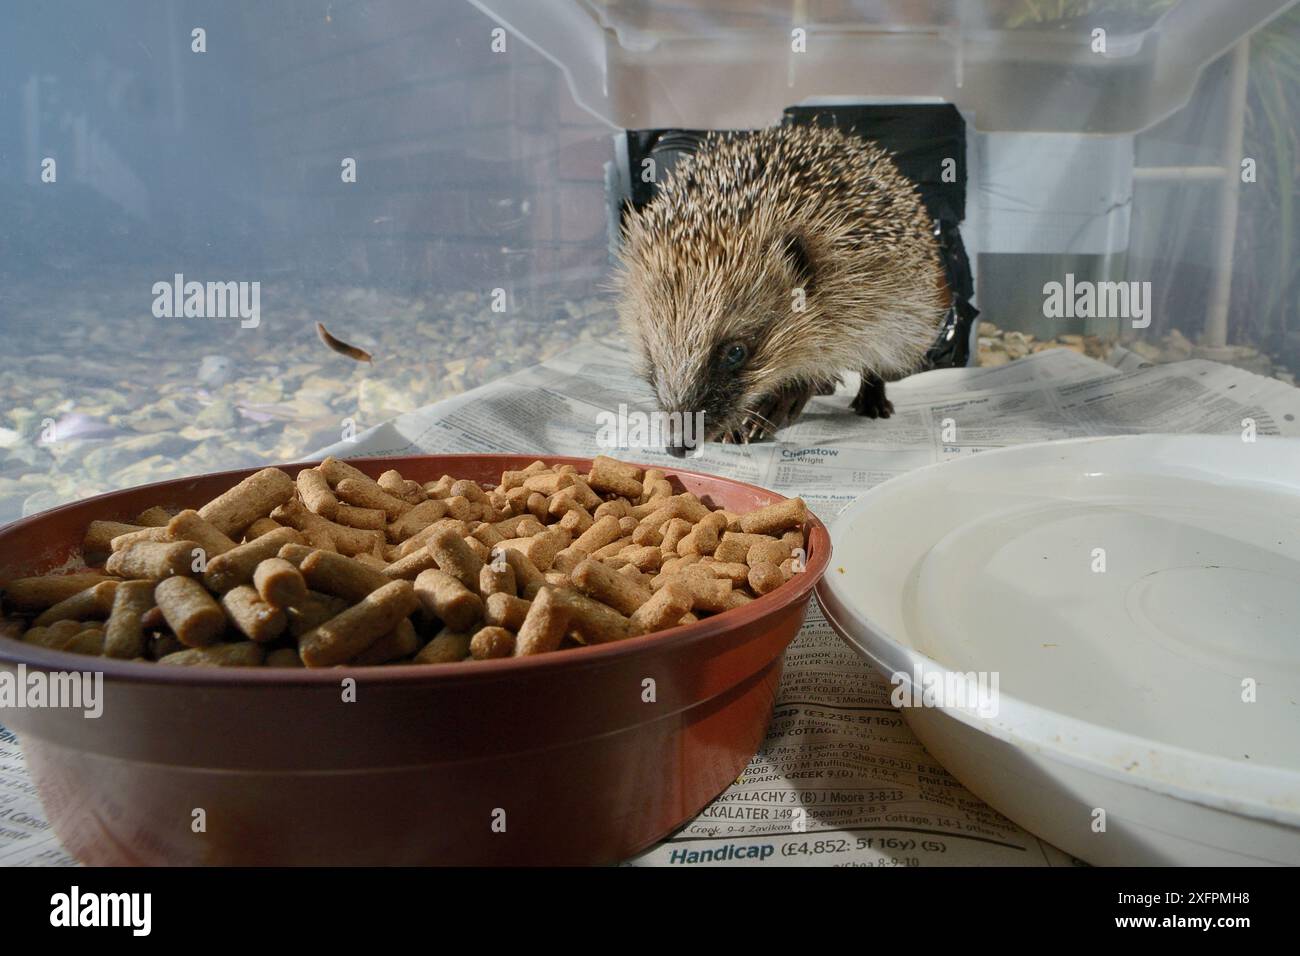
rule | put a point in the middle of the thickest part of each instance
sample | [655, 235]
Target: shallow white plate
[1136, 599]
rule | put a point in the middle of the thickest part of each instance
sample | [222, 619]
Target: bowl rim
[799, 588]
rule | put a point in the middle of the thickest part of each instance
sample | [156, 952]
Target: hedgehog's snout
[711, 406]
[681, 432]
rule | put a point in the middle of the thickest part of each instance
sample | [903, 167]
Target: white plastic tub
[1120, 693]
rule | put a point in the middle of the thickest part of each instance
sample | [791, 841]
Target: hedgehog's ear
[795, 249]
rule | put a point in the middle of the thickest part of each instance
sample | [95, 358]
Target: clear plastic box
[134, 150]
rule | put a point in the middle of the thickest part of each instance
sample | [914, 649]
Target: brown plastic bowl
[554, 759]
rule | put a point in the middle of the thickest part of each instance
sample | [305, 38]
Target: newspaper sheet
[840, 779]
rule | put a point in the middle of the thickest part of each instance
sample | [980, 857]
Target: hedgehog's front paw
[871, 401]
[771, 414]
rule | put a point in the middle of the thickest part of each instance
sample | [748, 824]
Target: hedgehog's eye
[733, 355]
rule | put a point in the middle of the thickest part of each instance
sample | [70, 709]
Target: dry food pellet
[491, 642]
[548, 483]
[481, 550]
[316, 608]
[455, 557]
[541, 548]
[701, 539]
[767, 552]
[189, 610]
[236, 566]
[709, 592]
[775, 518]
[261, 526]
[519, 526]
[665, 608]
[244, 654]
[341, 576]
[411, 565]
[566, 559]
[597, 581]
[536, 505]
[417, 519]
[517, 500]
[89, 641]
[100, 534]
[562, 502]
[445, 597]
[735, 545]
[613, 476]
[55, 636]
[393, 483]
[363, 519]
[615, 508]
[251, 616]
[612, 549]
[505, 610]
[95, 601]
[124, 634]
[190, 526]
[335, 470]
[465, 488]
[279, 583]
[494, 579]
[583, 494]
[602, 532]
[343, 637]
[736, 598]
[314, 490]
[159, 645]
[134, 537]
[349, 541]
[487, 533]
[283, 657]
[765, 577]
[370, 495]
[543, 626]
[440, 488]
[674, 531]
[295, 554]
[647, 536]
[254, 497]
[421, 538]
[527, 575]
[154, 517]
[447, 647]
[736, 571]
[401, 641]
[154, 560]
[576, 521]
[595, 623]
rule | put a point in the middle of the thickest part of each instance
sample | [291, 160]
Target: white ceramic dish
[1131, 594]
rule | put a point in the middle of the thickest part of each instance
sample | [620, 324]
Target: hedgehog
[768, 264]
